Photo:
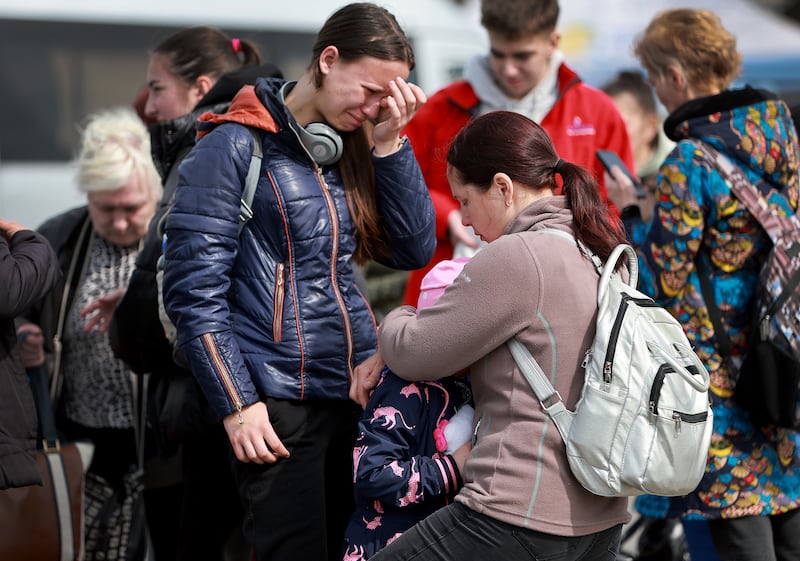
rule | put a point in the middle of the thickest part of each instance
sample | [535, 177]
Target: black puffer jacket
[28, 270]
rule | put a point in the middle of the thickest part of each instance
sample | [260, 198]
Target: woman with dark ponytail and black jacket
[194, 71]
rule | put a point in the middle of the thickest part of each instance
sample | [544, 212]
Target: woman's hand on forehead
[396, 110]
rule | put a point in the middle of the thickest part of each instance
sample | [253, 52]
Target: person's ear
[327, 58]
[554, 40]
[652, 125]
[676, 78]
[203, 85]
[502, 183]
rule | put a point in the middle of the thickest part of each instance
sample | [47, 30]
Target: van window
[55, 73]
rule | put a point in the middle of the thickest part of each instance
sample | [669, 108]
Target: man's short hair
[514, 19]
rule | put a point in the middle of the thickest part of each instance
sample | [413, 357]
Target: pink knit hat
[437, 279]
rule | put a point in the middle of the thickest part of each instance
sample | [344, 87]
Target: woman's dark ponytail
[597, 226]
[503, 141]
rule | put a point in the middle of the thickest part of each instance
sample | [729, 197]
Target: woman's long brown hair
[358, 30]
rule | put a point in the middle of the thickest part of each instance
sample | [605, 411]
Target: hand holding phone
[609, 159]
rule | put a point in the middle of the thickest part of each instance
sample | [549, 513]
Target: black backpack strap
[704, 275]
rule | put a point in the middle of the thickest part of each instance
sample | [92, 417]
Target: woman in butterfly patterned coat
[750, 492]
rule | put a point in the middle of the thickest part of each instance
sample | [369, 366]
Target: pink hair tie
[236, 44]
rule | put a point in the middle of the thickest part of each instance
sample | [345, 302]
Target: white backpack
[643, 422]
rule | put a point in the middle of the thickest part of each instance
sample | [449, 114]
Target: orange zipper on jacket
[277, 319]
[222, 371]
[335, 285]
[286, 270]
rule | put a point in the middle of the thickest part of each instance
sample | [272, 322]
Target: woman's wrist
[387, 149]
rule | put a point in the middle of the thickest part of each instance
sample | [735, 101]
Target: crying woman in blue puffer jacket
[270, 320]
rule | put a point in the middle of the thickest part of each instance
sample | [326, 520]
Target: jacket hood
[751, 126]
[229, 84]
[245, 109]
[172, 139]
[547, 212]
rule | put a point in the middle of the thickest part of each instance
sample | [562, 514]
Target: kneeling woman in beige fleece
[520, 499]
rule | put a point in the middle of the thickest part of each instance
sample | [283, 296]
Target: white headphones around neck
[322, 142]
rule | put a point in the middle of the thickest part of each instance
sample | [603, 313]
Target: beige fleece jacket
[542, 289]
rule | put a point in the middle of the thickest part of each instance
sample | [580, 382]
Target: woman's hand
[620, 188]
[100, 311]
[31, 345]
[365, 378]
[8, 228]
[396, 111]
[252, 437]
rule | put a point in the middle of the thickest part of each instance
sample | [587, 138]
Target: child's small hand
[459, 428]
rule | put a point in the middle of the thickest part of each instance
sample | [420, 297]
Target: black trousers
[210, 509]
[298, 508]
[458, 533]
[757, 538]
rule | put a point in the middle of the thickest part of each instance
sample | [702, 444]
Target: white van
[60, 61]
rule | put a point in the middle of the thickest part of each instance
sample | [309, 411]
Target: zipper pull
[764, 327]
[475, 432]
[607, 372]
[677, 418]
[586, 358]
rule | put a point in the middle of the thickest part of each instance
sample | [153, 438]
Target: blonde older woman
[96, 245]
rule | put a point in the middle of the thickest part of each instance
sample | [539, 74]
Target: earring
[508, 203]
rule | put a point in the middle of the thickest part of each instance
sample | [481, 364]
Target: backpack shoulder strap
[744, 190]
[547, 395]
[251, 181]
[596, 261]
[724, 344]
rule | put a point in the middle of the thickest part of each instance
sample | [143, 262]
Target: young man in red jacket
[524, 72]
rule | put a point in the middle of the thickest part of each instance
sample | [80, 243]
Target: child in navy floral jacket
[402, 461]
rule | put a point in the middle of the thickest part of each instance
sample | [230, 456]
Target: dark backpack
[769, 380]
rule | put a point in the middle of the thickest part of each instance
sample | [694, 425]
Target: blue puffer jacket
[275, 312]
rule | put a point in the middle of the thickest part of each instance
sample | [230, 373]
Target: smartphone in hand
[610, 159]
